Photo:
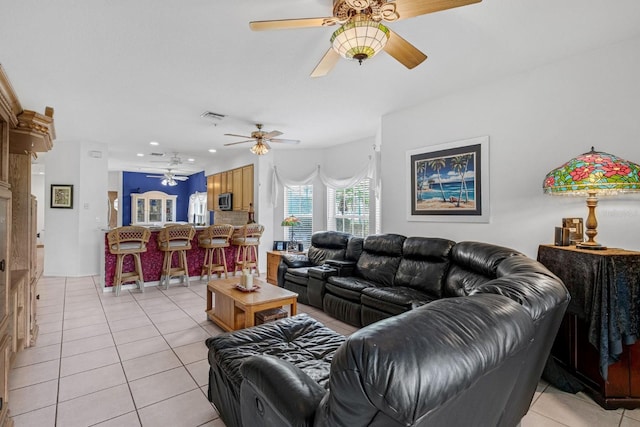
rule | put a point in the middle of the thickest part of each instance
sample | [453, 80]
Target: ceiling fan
[169, 178]
[261, 139]
[174, 160]
[361, 34]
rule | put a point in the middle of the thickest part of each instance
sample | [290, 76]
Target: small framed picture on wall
[62, 196]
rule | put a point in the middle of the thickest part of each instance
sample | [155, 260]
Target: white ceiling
[126, 73]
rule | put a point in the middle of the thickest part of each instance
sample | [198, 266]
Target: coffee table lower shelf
[235, 309]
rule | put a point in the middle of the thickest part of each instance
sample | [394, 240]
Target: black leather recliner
[325, 245]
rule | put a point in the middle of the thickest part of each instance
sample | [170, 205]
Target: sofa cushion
[395, 300]
[318, 255]
[300, 339]
[297, 275]
[348, 287]
[424, 264]
[380, 258]
[473, 264]
[327, 245]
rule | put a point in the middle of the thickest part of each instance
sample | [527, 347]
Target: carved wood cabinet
[22, 134]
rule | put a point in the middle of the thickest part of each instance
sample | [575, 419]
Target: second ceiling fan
[261, 139]
[361, 34]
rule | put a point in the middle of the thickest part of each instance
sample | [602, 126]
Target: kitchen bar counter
[152, 260]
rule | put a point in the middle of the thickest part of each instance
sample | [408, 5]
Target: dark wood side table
[598, 338]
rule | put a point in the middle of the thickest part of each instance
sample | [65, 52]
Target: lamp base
[591, 246]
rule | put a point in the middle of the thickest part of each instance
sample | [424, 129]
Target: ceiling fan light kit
[259, 149]
[360, 38]
[261, 139]
[361, 35]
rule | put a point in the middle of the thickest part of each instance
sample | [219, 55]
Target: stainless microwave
[225, 201]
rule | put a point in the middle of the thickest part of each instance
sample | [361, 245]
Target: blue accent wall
[136, 182]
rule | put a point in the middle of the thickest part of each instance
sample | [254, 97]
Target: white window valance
[370, 170]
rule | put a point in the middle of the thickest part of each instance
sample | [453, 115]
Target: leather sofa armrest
[295, 261]
[276, 392]
[345, 268]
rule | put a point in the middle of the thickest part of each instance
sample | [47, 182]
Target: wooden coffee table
[235, 309]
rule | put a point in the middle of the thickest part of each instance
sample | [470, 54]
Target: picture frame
[449, 182]
[62, 196]
[279, 245]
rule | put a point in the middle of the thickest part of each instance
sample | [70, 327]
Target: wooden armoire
[23, 134]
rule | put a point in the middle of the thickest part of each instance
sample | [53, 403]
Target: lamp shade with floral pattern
[592, 174]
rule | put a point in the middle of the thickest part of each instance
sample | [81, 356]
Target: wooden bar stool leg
[117, 280]
[139, 271]
[166, 269]
[255, 257]
[185, 266]
[223, 261]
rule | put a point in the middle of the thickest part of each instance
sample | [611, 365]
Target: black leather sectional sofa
[464, 334]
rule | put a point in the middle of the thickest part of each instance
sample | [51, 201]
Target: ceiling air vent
[157, 154]
[212, 116]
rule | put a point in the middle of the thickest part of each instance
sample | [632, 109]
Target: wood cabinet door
[210, 197]
[247, 187]
[237, 190]
[217, 189]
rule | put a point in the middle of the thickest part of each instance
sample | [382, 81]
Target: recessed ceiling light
[191, 160]
[140, 155]
[154, 143]
[212, 150]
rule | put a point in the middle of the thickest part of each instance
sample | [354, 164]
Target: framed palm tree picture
[449, 182]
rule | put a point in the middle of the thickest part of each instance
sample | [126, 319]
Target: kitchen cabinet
[238, 181]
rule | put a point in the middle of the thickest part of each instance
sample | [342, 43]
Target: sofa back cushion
[354, 248]
[380, 258]
[473, 264]
[327, 245]
[424, 264]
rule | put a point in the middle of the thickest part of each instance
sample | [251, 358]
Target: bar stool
[247, 238]
[128, 240]
[172, 239]
[214, 239]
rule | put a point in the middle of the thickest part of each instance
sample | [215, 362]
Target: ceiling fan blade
[266, 145]
[271, 134]
[240, 142]
[403, 51]
[326, 64]
[285, 141]
[236, 135]
[281, 24]
[410, 8]
[155, 176]
[180, 178]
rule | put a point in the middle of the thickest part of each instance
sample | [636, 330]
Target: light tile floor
[140, 359]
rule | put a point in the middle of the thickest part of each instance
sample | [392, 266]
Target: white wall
[73, 239]
[536, 121]
[38, 190]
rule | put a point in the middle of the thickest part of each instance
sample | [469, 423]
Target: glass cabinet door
[140, 210]
[155, 210]
[169, 210]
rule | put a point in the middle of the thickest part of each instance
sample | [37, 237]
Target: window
[350, 209]
[197, 213]
[298, 201]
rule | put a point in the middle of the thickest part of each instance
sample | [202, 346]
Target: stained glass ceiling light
[259, 149]
[592, 174]
[360, 38]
